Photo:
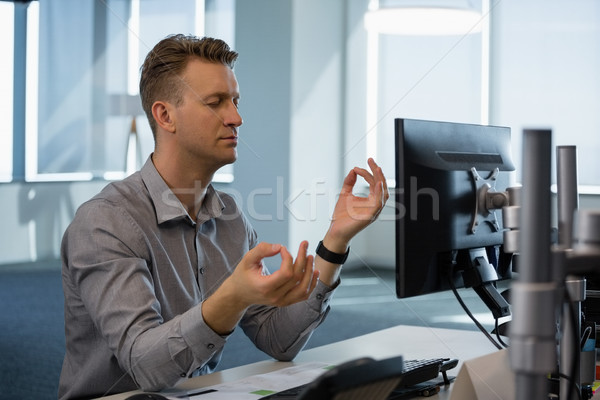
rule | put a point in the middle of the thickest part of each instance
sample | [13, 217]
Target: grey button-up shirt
[136, 269]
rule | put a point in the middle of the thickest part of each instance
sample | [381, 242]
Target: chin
[230, 160]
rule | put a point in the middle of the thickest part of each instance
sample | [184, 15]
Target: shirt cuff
[200, 338]
[320, 297]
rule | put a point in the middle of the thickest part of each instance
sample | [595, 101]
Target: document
[256, 386]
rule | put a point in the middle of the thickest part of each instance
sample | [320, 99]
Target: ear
[163, 115]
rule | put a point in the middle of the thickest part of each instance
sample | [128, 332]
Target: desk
[412, 342]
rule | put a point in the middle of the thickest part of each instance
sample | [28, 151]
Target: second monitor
[451, 180]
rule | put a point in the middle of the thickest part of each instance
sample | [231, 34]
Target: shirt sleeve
[115, 285]
[283, 332]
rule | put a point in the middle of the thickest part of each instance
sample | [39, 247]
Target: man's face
[208, 118]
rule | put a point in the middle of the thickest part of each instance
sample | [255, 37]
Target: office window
[420, 74]
[538, 69]
[82, 117]
[6, 90]
[442, 83]
[89, 57]
[545, 74]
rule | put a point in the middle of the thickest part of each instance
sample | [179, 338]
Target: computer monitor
[451, 181]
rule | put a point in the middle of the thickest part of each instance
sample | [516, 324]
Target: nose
[233, 117]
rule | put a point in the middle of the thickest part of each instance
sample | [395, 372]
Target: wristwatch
[330, 256]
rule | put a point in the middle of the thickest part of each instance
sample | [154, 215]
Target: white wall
[327, 134]
[263, 37]
[316, 124]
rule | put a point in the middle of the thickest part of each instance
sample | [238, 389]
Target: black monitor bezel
[452, 150]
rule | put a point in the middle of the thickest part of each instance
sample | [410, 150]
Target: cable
[496, 329]
[464, 306]
[586, 335]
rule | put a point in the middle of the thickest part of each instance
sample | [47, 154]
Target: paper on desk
[256, 386]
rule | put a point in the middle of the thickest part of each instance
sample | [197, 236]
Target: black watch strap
[330, 256]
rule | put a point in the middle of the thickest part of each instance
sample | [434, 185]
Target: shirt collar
[167, 205]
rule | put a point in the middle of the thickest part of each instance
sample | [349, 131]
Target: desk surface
[412, 342]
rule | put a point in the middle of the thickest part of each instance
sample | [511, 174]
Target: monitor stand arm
[481, 277]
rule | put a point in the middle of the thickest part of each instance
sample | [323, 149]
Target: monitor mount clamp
[487, 200]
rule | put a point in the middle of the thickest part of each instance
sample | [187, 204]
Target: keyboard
[418, 376]
[419, 371]
[413, 380]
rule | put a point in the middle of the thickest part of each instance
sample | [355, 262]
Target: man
[160, 268]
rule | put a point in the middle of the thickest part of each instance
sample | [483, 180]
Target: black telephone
[359, 379]
[366, 378]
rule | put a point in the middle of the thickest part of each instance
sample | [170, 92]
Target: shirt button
[319, 296]
[202, 271]
[182, 375]
[210, 346]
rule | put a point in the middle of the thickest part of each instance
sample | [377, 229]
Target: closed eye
[212, 102]
[217, 101]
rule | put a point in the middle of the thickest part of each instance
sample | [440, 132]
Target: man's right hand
[293, 282]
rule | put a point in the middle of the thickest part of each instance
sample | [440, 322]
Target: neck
[188, 182]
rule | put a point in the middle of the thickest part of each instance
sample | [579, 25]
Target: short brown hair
[166, 61]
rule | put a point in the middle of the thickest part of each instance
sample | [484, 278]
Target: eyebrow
[221, 95]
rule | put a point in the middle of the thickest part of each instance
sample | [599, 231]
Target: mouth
[233, 136]
[232, 139]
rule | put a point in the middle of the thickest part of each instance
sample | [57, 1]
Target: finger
[373, 165]
[302, 249]
[291, 288]
[309, 267]
[385, 189]
[299, 264]
[302, 289]
[280, 279]
[314, 278]
[287, 262]
[366, 175]
[349, 182]
[381, 198]
[378, 186]
[295, 268]
[378, 173]
[261, 251]
[291, 273]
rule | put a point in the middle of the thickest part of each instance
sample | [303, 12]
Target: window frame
[219, 17]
